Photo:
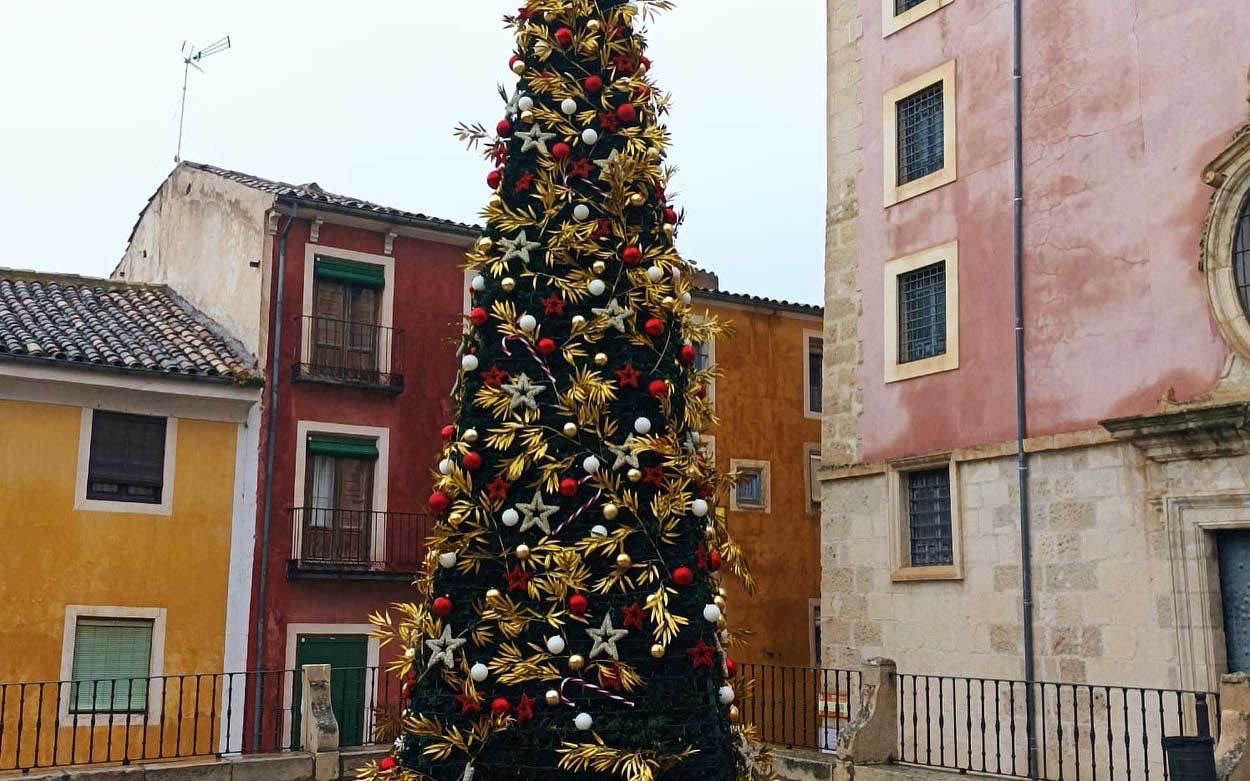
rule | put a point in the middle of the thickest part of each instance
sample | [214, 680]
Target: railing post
[319, 730]
[1232, 754]
[871, 738]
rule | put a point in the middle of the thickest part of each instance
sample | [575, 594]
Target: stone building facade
[1136, 163]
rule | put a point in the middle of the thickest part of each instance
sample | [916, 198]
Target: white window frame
[82, 478]
[810, 482]
[386, 307]
[892, 22]
[895, 192]
[765, 470]
[808, 336]
[381, 471]
[156, 664]
[372, 654]
[708, 443]
[900, 550]
[947, 361]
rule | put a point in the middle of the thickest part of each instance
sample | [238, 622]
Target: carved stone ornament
[1229, 174]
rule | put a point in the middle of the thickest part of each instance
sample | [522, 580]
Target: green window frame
[348, 272]
[112, 665]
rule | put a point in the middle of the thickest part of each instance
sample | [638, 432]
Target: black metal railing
[126, 720]
[367, 705]
[799, 707]
[1082, 731]
[351, 353]
[358, 541]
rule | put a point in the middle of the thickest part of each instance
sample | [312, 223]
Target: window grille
[1241, 258]
[922, 313]
[903, 6]
[815, 369]
[750, 488]
[920, 134]
[929, 517]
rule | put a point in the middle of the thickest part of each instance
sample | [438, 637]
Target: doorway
[348, 657]
[1234, 552]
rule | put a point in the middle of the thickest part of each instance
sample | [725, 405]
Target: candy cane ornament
[585, 684]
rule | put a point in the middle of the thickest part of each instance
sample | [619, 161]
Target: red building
[356, 297]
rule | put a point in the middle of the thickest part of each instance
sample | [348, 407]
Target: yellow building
[768, 400]
[127, 503]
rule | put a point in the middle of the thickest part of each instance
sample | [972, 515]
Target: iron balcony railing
[336, 542]
[350, 353]
[800, 707]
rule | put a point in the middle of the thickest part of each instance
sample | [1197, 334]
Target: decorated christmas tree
[569, 623]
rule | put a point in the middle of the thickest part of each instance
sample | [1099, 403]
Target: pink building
[1136, 362]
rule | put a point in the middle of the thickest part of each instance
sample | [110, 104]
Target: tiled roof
[313, 193]
[759, 301]
[98, 323]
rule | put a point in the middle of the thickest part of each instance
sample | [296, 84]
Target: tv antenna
[191, 57]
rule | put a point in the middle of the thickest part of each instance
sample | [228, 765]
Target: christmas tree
[570, 624]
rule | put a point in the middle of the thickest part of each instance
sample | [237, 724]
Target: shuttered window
[127, 462]
[750, 488]
[339, 491]
[112, 658]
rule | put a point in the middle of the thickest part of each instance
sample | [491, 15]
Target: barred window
[903, 6]
[922, 313]
[920, 134]
[929, 517]
[1241, 257]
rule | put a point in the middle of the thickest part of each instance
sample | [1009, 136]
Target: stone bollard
[1231, 762]
[872, 736]
[319, 730]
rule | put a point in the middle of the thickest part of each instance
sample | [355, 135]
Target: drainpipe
[275, 350]
[1022, 424]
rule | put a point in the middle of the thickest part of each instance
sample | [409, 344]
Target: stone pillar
[319, 730]
[1231, 762]
[872, 736]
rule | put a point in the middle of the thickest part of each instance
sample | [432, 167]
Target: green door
[347, 656]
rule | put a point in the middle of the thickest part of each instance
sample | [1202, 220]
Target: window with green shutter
[111, 665]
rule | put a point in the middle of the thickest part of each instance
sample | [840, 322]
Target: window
[345, 333]
[903, 6]
[811, 455]
[338, 493]
[127, 458]
[705, 358]
[751, 492]
[1225, 256]
[897, 14]
[111, 665]
[922, 313]
[924, 519]
[813, 622]
[1241, 257]
[919, 122]
[813, 370]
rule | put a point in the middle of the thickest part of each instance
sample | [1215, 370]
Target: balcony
[339, 352]
[337, 544]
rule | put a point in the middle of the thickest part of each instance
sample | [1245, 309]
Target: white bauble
[479, 672]
[447, 559]
[589, 136]
[591, 465]
[526, 103]
[511, 517]
[699, 508]
[583, 721]
[686, 299]
[598, 530]
[655, 273]
[597, 287]
[478, 283]
[711, 613]
[569, 106]
[555, 644]
[676, 274]
[726, 695]
[528, 323]
[578, 321]
[642, 425]
[469, 363]
[581, 211]
[444, 466]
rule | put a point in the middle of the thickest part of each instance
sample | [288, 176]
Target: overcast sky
[361, 97]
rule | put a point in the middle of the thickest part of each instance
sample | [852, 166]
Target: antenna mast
[190, 59]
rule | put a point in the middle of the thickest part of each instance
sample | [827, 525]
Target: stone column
[1231, 762]
[319, 730]
[872, 736]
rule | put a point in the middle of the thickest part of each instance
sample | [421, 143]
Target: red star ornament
[525, 709]
[581, 169]
[553, 306]
[518, 579]
[609, 123]
[467, 705]
[700, 556]
[495, 377]
[498, 489]
[628, 377]
[701, 655]
[523, 183]
[632, 616]
[653, 475]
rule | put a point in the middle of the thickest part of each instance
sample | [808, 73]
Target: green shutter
[359, 274]
[111, 665]
[343, 448]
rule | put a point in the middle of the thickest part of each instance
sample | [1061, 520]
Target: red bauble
[683, 576]
[386, 765]
[546, 346]
[688, 354]
[632, 256]
[645, 61]
[564, 36]
[438, 502]
[479, 316]
[654, 327]
[504, 128]
[513, 60]
[472, 461]
[731, 667]
[578, 605]
[626, 112]
[493, 179]
[670, 216]
[593, 83]
[713, 561]
[561, 151]
[500, 706]
[658, 388]
[442, 607]
[568, 487]
[449, 431]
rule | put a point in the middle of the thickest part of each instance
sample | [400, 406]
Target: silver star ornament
[624, 455]
[523, 392]
[605, 638]
[443, 649]
[536, 513]
[615, 313]
[535, 138]
[519, 247]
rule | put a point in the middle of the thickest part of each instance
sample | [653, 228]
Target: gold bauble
[495, 200]
[593, 25]
[570, 429]
[551, 16]
[527, 116]
[624, 561]
[518, 67]
[637, 199]
[578, 321]
[653, 153]
[553, 697]
[610, 511]
[522, 551]
[668, 301]
[668, 229]
[734, 714]
[722, 592]
[601, 359]
[484, 244]
[634, 475]
[590, 45]
[719, 601]
[470, 435]
[657, 651]
[598, 267]
[576, 662]
[492, 594]
[508, 284]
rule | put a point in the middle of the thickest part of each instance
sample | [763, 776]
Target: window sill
[927, 183]
[385, 383]
[123, 508]
[921, 574]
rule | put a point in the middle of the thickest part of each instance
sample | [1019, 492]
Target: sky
[362, 97]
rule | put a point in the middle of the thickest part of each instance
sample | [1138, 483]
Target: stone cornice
[1217, 431]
